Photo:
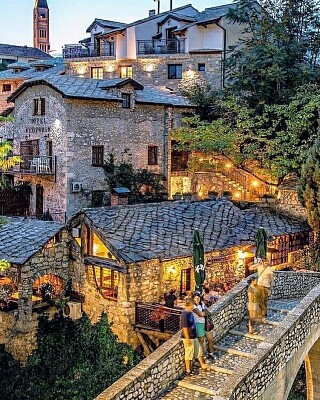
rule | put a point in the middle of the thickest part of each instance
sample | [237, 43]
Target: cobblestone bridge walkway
[230, 354]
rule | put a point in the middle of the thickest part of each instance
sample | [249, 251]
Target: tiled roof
[32, 72]
[41, 4]
[161, 95]
[87, 88]
[22, 51]
[106, 24]
[164, 14]
[208, 15]
[165, 230]
[70, 86]
[21, 238]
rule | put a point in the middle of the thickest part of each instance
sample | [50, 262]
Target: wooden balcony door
[39, 199]
[28, 149]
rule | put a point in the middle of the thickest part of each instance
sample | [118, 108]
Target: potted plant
[212, 195]
[268, 198]
[187, 196]
[226, 194]
[177, 196]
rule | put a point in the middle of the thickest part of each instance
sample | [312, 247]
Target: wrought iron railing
[104, 49]
[35, 165]
[170, 46]
[149, 315]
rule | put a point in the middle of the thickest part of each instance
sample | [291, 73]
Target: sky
[69, 19]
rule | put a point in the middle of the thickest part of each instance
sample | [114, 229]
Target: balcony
[170, 46]
[34, 165]
[105, 49]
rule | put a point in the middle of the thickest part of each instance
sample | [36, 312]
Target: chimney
[152, 13]
[120, 196]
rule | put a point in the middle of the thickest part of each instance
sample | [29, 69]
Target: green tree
[122, 174]
[309, 187]
[74, 360]
[278, 50]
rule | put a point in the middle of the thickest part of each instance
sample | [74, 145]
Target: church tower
[41, 25]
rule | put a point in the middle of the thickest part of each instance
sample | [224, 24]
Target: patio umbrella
[198, 261]
[261, 243]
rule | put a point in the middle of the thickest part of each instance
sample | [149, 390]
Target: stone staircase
[230, 354]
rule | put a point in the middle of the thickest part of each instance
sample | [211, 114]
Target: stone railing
[280, 355]
[156, 372]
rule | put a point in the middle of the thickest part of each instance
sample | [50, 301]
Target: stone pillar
[313, 372]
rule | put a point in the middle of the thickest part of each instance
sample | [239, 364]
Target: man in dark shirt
[192, 348]
[170, 299]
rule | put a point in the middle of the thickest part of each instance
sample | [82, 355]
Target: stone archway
[309, 352]
[313, 372]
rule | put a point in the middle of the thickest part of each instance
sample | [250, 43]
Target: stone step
[196, 388]
[247, 335]
[266, 322]
[222, 370]
[233, 351]
[280, 310]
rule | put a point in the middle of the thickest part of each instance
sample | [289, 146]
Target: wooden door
[185, 280]
[39, 199]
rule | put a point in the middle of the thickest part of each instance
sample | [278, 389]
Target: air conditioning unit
[76, 187]
[72, 310]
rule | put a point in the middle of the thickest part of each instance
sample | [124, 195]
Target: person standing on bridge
[265, 282]
[191, 344]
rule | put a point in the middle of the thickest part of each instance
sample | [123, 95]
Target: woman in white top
[200, 311]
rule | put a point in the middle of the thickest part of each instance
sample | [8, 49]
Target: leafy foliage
[75, 360]
[6, 161]
[278, 51]
[309, 186]
[122, 174]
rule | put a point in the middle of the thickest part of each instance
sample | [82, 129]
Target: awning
[105, 263]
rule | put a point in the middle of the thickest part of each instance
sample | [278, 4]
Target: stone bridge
[245, 367]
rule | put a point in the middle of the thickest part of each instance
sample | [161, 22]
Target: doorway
[185, 281]
[39, 199]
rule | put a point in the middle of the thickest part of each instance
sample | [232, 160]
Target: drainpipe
[223, 54]
[170, 5]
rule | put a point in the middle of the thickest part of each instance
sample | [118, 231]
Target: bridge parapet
[156, 372]
[270, 374]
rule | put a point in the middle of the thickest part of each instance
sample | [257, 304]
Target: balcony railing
[80, 51]
[35, 165]
[148, 315]
[170, 46]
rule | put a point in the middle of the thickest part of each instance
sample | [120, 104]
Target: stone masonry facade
[74, 126]
[153, 70]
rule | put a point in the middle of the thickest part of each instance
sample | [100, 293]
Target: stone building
[136, 253]
[10, 53]
[41, 25]
[67, 126]
[161, 49]
[18, 72]
[40, 256]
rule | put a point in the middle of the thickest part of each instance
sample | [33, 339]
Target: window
[43, 47]
[6, 87]
[174, 71]
[152, 155]
[43, 33]
[126, 103]
[97, 198]
[39, 106]
[97, 72]
[179, 158]
[126, 72]
[97, 156]
[108, 281]
[201, 67]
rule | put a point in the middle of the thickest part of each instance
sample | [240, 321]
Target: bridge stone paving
[230, 353]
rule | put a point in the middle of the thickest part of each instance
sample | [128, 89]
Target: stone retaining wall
[156, 372]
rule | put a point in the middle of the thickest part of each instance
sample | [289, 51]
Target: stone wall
[153, 69]
[18, 328]
[74, 126]
[226, 313]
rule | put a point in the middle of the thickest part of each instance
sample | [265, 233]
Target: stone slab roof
[106, 24]
[165, 230]
[21, 238]
[22, 51]
[161, 95]
[31, 71]
[95, 89]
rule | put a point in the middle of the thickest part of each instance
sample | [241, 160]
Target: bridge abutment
[313, 372]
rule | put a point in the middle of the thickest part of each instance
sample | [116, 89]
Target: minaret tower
[41, 25]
